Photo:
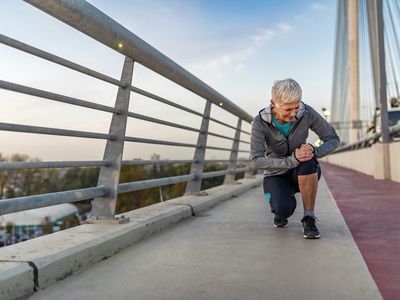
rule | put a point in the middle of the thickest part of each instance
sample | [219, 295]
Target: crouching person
[278, 146]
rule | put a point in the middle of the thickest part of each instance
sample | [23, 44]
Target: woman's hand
[304, 153]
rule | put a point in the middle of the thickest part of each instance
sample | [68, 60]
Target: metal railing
[107, 31]
[369, 141]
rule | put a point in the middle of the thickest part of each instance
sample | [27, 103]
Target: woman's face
[285, 112]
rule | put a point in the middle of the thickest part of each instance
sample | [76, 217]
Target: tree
[69, 222]
[47, 226]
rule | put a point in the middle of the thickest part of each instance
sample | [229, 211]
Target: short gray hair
[286, 91]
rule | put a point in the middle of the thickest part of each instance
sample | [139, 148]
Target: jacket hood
[266, 115]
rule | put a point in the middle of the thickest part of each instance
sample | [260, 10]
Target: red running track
[371, 209]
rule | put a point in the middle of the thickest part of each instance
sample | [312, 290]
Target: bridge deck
[232, 252]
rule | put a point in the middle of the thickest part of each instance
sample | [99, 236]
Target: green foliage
[9, 227]
[214, 181]
[18, 183]
[78, 178]
[137, 199]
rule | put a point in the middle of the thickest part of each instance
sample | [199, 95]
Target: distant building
[31, 222]
[155, 156]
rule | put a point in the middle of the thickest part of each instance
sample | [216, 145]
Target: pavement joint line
[191, 207]
[34, 268]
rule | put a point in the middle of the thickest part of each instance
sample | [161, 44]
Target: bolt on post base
[115, 220]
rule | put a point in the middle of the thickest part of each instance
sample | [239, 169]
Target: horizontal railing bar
[246, 132]
[154, 120]
[226, 137]
[241, 170]
[30, 202]
[53, 131]
[139, 162]
[163, 100]
[104, 29]
[221, 136]
[392, 130]
[145, 184]
[55, 97]
[227, 125]
[158, 142]
[222, 123]
[223, 172]
[56, 59]
[218, 148]
[226, 160]
[154, 162]
[51, 164]
[225, 149]
[214, 174]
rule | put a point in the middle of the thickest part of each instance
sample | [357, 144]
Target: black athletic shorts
[279, 190]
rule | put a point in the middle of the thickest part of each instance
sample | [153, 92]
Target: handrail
[104, 29]
[227, 125]
[56, 59]
[97, 163]
[165, 101]
[367, 142]
[30, 202]
[51, 164]
[222, 172]
[55, 97]
[158, 142]
[54, 131]
[145, 184]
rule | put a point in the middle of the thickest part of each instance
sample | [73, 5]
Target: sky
[239, 48]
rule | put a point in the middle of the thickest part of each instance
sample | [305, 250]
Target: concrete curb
[64, 253]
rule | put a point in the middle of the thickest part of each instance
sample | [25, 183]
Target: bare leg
[308, 185]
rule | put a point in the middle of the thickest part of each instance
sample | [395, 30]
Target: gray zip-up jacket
[273, 152]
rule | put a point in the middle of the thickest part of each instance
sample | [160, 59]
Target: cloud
[218, 67]
[263, 37]
[318, 6]
[285, 27]
[239, 67]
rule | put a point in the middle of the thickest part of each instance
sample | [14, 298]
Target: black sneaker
[280, 222]
[310, 230]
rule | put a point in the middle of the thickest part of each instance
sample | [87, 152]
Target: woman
[278, 145]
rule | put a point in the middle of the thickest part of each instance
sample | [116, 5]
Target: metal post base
[115, 220]
[201, 193]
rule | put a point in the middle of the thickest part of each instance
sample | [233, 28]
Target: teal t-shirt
[284, 128]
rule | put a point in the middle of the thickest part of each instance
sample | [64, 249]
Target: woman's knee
[308, 167]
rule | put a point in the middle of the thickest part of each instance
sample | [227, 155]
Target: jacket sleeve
[258, 148]
[325, 132]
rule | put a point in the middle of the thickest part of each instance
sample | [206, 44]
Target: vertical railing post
[103, 208]
[193, 187]
[250, 172]
[230, 177]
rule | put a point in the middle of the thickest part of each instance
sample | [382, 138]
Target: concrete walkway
[232, 252]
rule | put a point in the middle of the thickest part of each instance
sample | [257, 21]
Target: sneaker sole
[310, 237]
[284, 226]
